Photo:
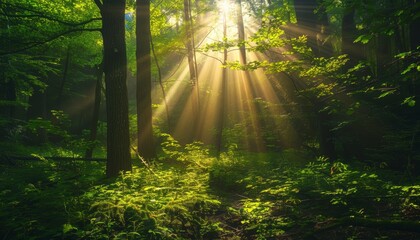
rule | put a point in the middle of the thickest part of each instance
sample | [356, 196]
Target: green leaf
[409, 68]
[68, 227]
[386, 93]
[409, 101]
[364, 39]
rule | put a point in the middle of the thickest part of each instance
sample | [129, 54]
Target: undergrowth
[189, 193]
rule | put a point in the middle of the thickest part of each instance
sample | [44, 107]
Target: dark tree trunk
[146, 144]
[241, 32]
[348, 35]
[38, 109]
[326, 141]
[64, 80]
[414, 30]
[316, 27]
[8, 93]
[96, 108]
[115, 69]
[305, 15]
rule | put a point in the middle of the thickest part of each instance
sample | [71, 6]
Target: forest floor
[189, 193]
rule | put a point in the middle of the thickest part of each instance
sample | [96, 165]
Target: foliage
[288, 197]
[174, 203]
[189, 194]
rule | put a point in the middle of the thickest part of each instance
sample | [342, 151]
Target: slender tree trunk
[219, 139]
[414, 30]
[326, 138]
[96, 108]
[241, 32]
[146, 144]
[115, 69]
[38, 109]
[64, 80]
[8, 93]
[168, 118]
[189, 43]
[197, 89]
[348, 32]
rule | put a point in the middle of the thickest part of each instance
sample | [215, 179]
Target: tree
[115, 69]
[224, 89]
[192, 61]
[96, 108]
[241, 31]
[189, 41]
[146, 146]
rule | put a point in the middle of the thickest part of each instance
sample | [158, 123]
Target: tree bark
[315, 27]
[38, 109]
[241, 32]
[414, 30]
[96, 108]
[188, 42]
[64, 80]
[8, 93]
[145, 145]
[219, 137]
[115, 69]
[192, 64]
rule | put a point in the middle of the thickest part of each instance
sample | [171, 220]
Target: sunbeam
[240, 93]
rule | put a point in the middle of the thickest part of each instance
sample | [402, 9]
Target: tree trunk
[414, 30]
[8, 93]
[189, 43]
[305, 15]
[145, 145]
[348, 31]
[219, 137]
[241, 32]
[96, 108]
[115, 69]
[38, 109]
[326, 141]
[64, 80]
[316, 29]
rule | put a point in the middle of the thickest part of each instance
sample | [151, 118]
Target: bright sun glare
[225, 6]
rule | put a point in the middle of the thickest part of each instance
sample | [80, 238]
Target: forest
[210, 119]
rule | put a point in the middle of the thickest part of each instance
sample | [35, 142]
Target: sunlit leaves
[409, 101]
[325, 66]
[363, 39]
[219, 45]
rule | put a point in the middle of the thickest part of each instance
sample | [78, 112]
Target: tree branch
[35, 44]
[51, 19]
[99, 4]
